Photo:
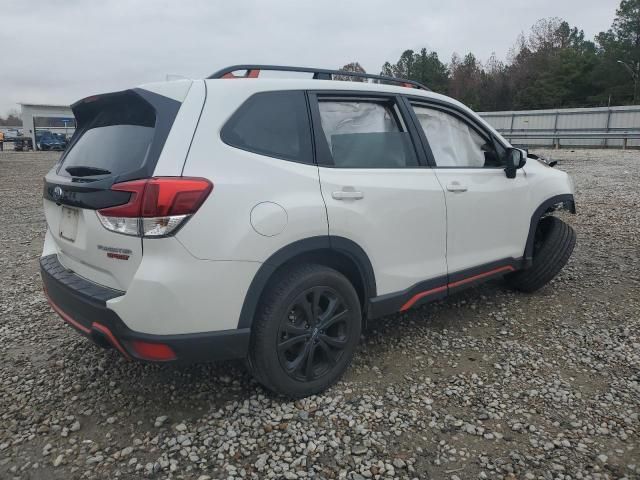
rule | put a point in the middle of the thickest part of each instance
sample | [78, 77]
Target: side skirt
[440, 287]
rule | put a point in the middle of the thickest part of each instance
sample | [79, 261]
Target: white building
[32, 111]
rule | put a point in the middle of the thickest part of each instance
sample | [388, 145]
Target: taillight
[157, 206]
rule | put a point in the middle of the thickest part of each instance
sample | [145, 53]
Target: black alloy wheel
[305, 331]
[314, 333]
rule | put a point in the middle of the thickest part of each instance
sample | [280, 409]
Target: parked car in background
[22, 144]
[10, 134]
[40, 134]
[49, 141]
[62, 138]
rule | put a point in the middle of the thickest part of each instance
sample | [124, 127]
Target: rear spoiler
[88, 108]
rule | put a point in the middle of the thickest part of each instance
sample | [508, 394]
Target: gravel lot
[488, 384]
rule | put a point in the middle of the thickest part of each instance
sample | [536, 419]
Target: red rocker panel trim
[420, 295]
[458, 283]
[495, 271]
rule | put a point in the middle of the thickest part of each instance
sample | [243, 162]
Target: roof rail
[253, 71]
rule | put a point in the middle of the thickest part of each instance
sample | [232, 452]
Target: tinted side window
[274, 124]
[453, 142]
[365, 134]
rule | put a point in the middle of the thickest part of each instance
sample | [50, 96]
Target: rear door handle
[347, 195]
[456, 187]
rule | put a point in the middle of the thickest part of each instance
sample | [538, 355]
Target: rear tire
[553, 246]
[305, 332]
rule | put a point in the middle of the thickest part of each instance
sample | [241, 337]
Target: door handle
[347, 195]
[456, 187]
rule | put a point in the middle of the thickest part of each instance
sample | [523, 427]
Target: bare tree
[12, 119]
[465, 77]
[351, 67]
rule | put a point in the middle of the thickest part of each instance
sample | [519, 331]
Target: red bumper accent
[89, 331]
[66, 317]
[112, 340]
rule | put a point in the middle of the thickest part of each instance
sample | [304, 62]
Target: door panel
[486, 214]
[377, 189]
[399, 221]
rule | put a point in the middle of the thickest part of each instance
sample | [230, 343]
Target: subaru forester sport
[244, 217]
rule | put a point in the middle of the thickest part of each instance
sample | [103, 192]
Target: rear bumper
[82, 304]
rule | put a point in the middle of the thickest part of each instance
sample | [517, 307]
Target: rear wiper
[84, 171]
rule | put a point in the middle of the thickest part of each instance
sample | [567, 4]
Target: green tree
[626, 25]
[552, 67]
[495, 93]
[424, 67]
[621, 43]
[465, 80]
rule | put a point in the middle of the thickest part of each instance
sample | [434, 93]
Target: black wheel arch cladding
[564, 201]
[310, 248]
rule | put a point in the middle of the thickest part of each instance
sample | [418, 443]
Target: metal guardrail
[557, 136]
[578, 127]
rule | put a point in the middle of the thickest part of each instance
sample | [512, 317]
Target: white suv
[266, 218]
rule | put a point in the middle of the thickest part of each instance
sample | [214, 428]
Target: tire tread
[549, 260]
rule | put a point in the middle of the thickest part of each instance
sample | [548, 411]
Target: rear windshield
[114, 138]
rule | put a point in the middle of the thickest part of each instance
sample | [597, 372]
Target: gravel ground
[487, 384]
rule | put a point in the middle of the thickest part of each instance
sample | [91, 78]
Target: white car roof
[178, 89]
[266, 84]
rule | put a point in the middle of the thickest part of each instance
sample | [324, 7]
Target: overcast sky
[59, 51]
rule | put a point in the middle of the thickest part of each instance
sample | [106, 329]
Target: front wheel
[306, 330]
[553, 244]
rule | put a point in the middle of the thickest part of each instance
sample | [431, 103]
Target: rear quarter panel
[221, 229]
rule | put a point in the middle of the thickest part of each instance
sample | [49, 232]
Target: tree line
[551, 66]
[12, 119]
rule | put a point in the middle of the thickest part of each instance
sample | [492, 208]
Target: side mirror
[515, 160]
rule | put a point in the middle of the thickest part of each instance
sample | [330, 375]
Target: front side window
[454, 143]
[274, 124]
[365, 134]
